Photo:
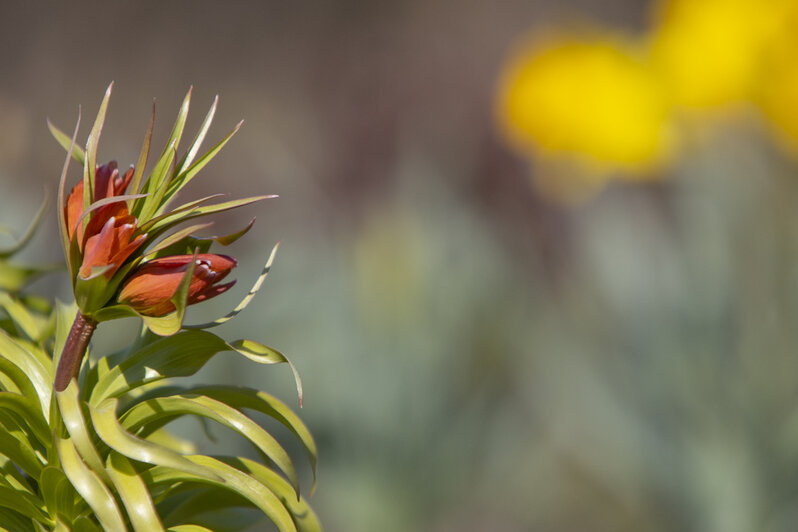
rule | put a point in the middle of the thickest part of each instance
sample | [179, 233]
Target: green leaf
[263, 354]
[39, 376]
[188, 528]
[240, 397]
[154, 409]
[85, 524]
[180, 122]
[145, 227]
[69, 405]
[23, 503]
[232, 479]
[176, 216]
[58, 493]
[13, 278]
[304, 517]
[19, 380]
[180, 355]
[182, 179]
[32, 325]
[188, 158]
[90, 487]
[176, 238]
[117, 438]
[28, 410]
[66, 142]
[29, 232]
[15, 445]
[134, 494]
[15, 521]
[62, 223]
[141, 163]
[90, 163]
[156, 185]
[244, 302]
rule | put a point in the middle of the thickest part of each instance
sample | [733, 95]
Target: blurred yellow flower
[595, 101]
[777, 94]
[710, 52]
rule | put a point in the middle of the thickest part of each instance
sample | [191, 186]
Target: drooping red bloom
[150, 289]
[106, 240]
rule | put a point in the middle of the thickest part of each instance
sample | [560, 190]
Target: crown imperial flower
[149, 291]
[122, 259]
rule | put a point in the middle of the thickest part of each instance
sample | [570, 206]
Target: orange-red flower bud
[111, 246]
[107, 183]
[150, 289]
[107, 239]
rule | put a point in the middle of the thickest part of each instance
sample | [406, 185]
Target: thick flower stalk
[115, 230]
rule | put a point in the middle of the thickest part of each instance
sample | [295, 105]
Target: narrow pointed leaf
[62, 224]
[182, 179]
[176, 238]
[188, 158]
[90, 163]
[63, 139]
[141, 163]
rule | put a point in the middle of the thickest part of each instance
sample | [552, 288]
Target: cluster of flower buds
[116, 228]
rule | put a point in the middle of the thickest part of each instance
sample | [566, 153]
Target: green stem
[74, 349]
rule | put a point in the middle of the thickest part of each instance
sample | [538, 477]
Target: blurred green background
[478, 353]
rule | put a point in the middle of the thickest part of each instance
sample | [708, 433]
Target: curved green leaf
[113, 434]
[39, 376]
[232, 479]
[240, 397]
[70, 407]
[90, 487]
[16, 521]
[67, 143]
[244, 302]
[153, 409]
[304, 517]
[58, 493]
[62, 223]
[24, 503]
[29, 412]
[134, 494]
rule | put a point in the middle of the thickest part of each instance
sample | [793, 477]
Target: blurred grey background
[475, 358]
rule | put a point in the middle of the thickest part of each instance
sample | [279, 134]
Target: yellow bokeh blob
[594, 100]
[777, 91]
[709, 52]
